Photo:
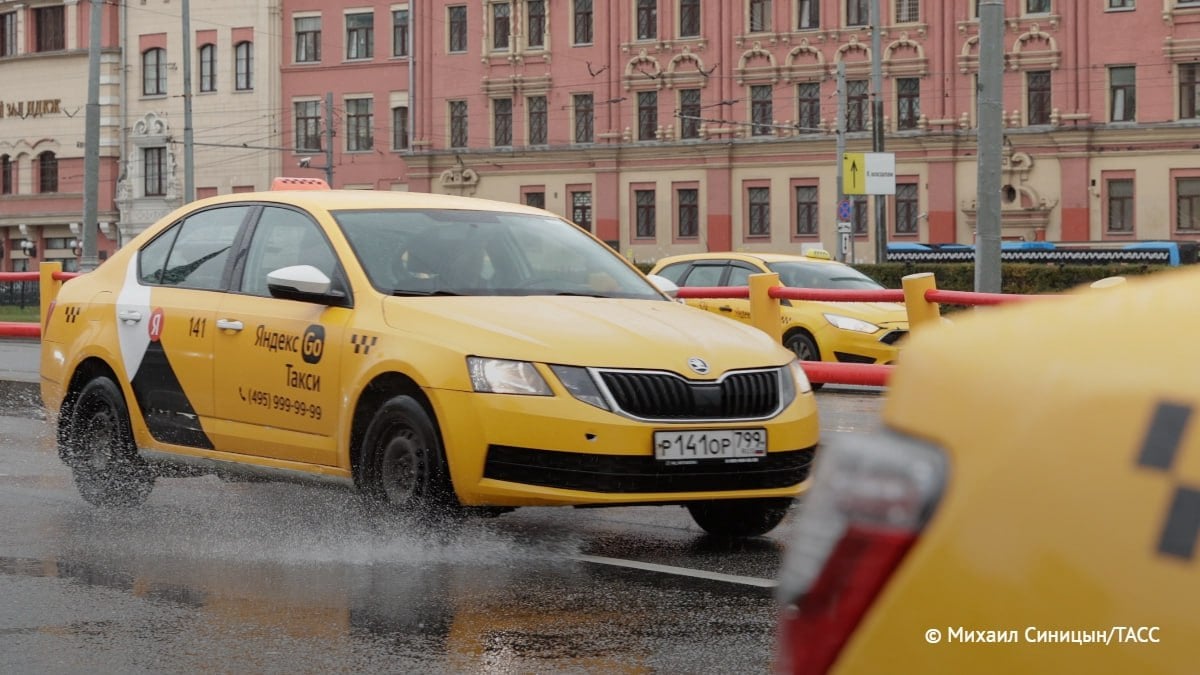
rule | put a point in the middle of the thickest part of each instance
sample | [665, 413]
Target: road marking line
[681, 571]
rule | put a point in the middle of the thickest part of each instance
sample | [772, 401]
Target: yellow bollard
[48, 287]
[920, 311]
[764, 310]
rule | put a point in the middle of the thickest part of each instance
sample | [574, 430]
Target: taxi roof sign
[293, 183]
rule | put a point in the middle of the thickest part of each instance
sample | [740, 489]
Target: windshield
[464, 252]
[819, 275]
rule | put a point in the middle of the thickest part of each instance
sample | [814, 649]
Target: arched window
[208, 68]
[6, 175]
[47, 166]
[154, 72]
[244, 57]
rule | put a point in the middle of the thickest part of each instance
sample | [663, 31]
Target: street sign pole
[845, 253]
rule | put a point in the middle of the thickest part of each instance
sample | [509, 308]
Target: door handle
[229, 324]
[725, 308]
[129, 316]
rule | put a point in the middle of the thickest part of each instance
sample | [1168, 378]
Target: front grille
[845, 357]
[667, 396]
[641, 473]
[893, 337]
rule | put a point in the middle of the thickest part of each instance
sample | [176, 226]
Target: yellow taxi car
[1032, 504]
[847, 332]
[436, 353]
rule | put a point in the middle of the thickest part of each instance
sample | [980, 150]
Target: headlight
[847, 323]
[792, 380]
[579, 382]
[501, 376]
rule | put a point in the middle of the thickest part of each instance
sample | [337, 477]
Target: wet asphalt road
[252, 577]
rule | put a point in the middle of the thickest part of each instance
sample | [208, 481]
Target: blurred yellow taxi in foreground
[848, 332]
[1033, 504]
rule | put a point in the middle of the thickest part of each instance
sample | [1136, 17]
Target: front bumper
[532, 450]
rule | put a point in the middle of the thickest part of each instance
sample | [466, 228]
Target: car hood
[602, 332]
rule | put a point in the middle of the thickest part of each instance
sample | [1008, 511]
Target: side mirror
[303, 282]
[665, 285]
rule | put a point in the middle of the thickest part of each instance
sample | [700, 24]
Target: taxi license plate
[696, 444]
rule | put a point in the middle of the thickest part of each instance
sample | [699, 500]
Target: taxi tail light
[869, 501]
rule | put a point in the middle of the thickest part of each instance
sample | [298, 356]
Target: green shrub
[1019, 278]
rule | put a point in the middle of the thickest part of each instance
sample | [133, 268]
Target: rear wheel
[407, 468]
[98, 446]
[739, 518]
[805, 349]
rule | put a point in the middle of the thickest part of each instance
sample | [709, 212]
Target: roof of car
[333, 200]
[743, 255]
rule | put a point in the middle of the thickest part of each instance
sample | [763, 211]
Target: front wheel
[98, 446]
[407, 469]
[739, 518]
[805, 349]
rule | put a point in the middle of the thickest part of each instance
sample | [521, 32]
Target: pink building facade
[668, 126]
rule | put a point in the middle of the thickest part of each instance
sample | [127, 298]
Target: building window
[809, 114]
[538, 134]
[50, 29]
[458, 27]
[908, 102]
[759, 201]
[1121, 4]
[1189, 90]
[647, 19]
[581, 209]
[1120, 205]
[858, 12]
[47, 168]
[308, 125]
[807, 224]
[1039, 96]
[535, 199]
[761, 109]
[646, 218]
[501, 13]
[360, 121]
[360, 35]
[810, 14]
[583, 22]
[1187, 204]
[1037, 6]
[308, 39]
[858, 214]
[584, 112]
[458, 124]
[400, 127]
[400, 32]
[908, 11]
[760, 16]
[208, 68]
[6, 175]
[689, 18]
[502, 122]
[154, 72]
[536, 18]
[1122, 89]
[689, 212]
[856, 105]
[647, 115]
[689, 113]
[154, 161]
[906, 208]
[8, 33]
[244, 56]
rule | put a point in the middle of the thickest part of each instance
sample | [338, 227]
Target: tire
[407, 470]
[805, 349]
[740, 518]
[98, 446]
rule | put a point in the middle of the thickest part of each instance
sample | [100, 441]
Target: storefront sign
[23, 109]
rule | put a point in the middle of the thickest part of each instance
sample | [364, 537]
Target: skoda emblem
[698, 365]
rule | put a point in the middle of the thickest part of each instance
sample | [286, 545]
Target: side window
[674, 272]
[284, 238]
[153, 257]
[197, 255]
[705, 275]
[740, 276]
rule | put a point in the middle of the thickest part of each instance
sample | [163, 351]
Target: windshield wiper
[404, 292]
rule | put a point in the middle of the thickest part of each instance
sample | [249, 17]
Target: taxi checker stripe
[1159, 448]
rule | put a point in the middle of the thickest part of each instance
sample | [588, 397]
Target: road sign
[844, 210]
[869, 173]
[844, 228]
